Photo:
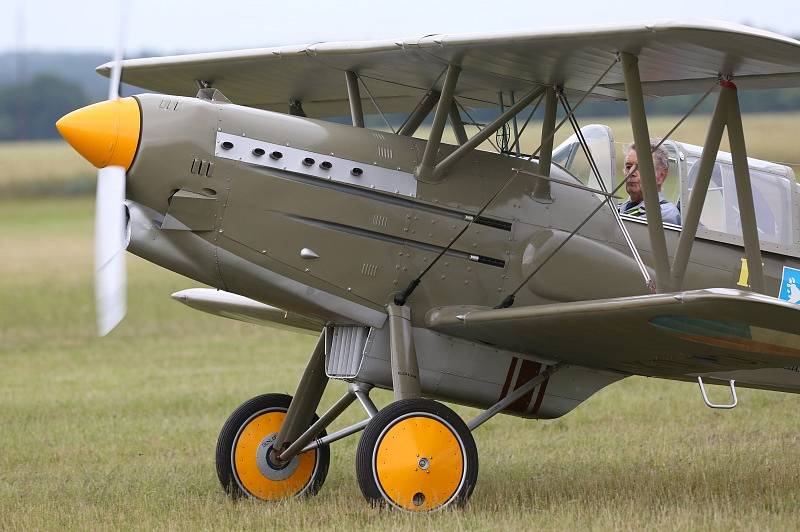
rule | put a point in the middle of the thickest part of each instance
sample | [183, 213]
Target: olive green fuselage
[328, 221]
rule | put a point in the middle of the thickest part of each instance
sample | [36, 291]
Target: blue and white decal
[790, 285]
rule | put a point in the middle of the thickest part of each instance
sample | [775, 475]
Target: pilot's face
[633, 184]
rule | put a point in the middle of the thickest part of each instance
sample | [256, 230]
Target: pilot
[633, 185]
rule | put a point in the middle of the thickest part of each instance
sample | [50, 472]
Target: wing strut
[400, 298]
[594, 168]
[425, 169]
[541, 190]
[509, 299]
[422, 109]
[744, 188]
[354, 96]
[647, 172]
[726, 113]
[437, 172]
[518, 135]
[457, 124]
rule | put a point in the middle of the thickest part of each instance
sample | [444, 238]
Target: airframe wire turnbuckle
[715, 405]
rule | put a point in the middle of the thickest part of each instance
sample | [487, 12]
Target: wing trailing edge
[667, 335]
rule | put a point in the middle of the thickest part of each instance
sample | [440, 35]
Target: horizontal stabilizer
[234, 306]
[668, 335]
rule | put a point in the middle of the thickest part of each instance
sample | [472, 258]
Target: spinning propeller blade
[109, 249]
[110, 282]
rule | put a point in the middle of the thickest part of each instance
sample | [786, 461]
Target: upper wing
[683, 333]
[674, 58]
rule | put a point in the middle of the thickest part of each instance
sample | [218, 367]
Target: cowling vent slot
[344, 350]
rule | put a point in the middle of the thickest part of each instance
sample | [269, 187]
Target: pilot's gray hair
[660, 155]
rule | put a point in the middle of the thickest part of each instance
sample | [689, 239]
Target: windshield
[771, 198]
[571, 156]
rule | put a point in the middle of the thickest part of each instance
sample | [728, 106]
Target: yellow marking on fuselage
[744, 275]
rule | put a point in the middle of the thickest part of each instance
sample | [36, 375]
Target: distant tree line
[29, 110]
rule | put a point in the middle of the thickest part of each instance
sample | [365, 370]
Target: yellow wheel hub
[256, 474]
[419, 463]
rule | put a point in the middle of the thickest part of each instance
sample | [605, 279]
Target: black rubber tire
[230, 430]
[367, 480]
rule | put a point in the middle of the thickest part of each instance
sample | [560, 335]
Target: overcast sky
[164, 26]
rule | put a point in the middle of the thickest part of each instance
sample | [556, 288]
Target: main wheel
[244, 464]
[417, 455]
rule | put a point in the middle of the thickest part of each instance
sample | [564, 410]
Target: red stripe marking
[510, 375]
[528, 371]
[747, 345]
[540, 398]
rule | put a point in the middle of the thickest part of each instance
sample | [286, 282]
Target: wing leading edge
[664, 335]
[674, 58]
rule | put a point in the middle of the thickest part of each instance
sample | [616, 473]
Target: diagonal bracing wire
[401, 298]
[509, 299]
[377, 107]
[421, 100]
[527, 120]
[594, 168]
[476, 124]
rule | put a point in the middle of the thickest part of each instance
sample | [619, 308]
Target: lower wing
[713, 331]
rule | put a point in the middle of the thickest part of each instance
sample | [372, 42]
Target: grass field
[119, 433]
[770, 136]
[48, 167]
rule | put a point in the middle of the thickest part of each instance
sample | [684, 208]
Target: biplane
[505, 280]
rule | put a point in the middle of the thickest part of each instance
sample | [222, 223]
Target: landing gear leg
[254, 436]
[306, 398]
[405, 369]
[415, 454]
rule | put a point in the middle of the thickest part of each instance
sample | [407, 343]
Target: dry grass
[770, 136]
[43, 168]
[52, 168]
[119, 433]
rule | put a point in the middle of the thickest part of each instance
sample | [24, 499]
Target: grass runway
[120, 432]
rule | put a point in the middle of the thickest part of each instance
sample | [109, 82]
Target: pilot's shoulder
[670, 213]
